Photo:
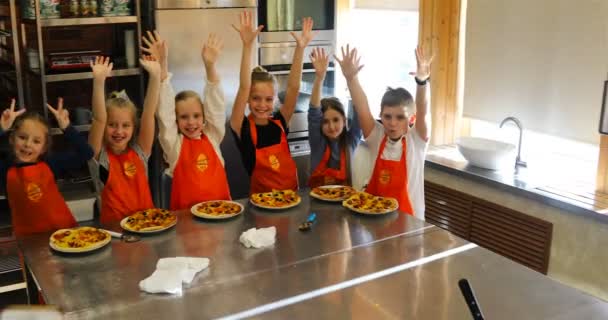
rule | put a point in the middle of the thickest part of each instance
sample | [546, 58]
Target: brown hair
[33, 116]
[398, 97]
[259, 74]
[333, 103]
[189, 94]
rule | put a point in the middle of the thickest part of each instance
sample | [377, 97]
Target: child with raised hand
[331, 142]
[398, 151]
[262, 136]
[190, 130]
[121, 163]
[29, 177]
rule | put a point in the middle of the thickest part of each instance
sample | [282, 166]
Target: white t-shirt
[415, 154]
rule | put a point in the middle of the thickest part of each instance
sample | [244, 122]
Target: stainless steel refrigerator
[186, 24]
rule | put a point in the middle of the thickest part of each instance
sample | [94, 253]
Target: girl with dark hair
[331, 141]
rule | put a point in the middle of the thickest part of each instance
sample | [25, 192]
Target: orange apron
[323, 175]
[389, 179]
[274, 167]
[126, 190]
[35, 201]
[198, 175]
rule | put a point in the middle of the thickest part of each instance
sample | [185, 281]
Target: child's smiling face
[395, 121]
[190, 118]
[261, 99]
[119, 129]
[29, 141]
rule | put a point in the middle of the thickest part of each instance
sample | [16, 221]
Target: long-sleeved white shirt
[169, 136]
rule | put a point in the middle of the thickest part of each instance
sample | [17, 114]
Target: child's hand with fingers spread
[151, 65]
[101, 67]
[62, 115]
[157, 48]
[350, 62]
[423, 65]
[9, 115]
[307, 34]
[320, 61]
[246, 29]
[212, 49]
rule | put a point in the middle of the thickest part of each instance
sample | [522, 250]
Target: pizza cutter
[307, 225]
[123, 237]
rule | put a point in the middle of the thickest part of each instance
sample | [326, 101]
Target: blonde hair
[120, 100]
[189, 94]
[259, 74]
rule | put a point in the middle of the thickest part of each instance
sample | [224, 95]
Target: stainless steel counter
[386, 259]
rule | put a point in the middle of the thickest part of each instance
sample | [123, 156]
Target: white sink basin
[486, 153]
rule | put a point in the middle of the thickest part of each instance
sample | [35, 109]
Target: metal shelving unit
[64, 22]
[89, 75]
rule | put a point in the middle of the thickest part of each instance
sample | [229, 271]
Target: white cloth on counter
[170, 273]
[258, 238]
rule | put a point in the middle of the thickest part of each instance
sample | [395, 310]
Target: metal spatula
[123, 237]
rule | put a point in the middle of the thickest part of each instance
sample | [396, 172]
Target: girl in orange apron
[331, 142]
[389, 178]
[35, 201]
[191, 131]
[262, 136]
[121, 164]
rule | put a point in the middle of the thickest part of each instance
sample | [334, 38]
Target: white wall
[543, 61]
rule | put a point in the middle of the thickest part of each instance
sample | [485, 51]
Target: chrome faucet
[518, 161]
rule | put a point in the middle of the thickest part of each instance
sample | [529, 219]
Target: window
[386, 40]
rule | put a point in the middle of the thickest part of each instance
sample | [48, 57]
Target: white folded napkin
[258, 238]
[170, 273]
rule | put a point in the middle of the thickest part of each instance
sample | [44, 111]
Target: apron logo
[384, 177]
[129, 168]
[202, 162]
[274, 162]
[34, 193]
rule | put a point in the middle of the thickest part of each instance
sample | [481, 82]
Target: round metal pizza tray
[123, 224]
[318, 197]
[96, 246]
[195, 212]
[276, 208]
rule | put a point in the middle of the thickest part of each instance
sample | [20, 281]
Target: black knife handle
[469, 298]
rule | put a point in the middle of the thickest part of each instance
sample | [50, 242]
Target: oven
[280, 17]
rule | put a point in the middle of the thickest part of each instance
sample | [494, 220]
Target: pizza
[332, 193]
[277, 199]
[364, 202]
[149, 220]
[79, 239]
[218, 208]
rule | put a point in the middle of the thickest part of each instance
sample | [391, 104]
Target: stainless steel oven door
[280, 17]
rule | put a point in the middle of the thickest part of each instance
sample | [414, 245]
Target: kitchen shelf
[80, 128]
[89, 75]
[64, 22]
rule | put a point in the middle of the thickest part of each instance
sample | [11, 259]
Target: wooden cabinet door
[448, 209]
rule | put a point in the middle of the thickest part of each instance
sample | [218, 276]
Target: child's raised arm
[9, 115]
[102, 68]
[157, 48]
[214, 102]
[295, 73]
[146, 130]
[320, 62]
[423, 72]
[248, 34]
[350, 65]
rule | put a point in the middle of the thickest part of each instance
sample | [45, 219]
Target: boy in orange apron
[35, 202]
[262, 136]
[331, 142]
[398, 152]
[120, 166]
[190, 135]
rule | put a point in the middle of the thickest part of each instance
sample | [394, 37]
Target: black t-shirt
[268, 135]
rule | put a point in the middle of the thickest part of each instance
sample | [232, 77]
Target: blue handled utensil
[307, 225]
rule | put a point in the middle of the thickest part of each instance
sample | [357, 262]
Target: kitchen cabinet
[10, 54]
[58, 51]
[515, 235]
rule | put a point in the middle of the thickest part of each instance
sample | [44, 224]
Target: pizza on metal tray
[276, 199]
[218, 208]
[333, 193]
[150, 220]
[79, 238]
[367, 203]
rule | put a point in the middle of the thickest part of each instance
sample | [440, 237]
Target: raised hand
[151, 65]
[101, 67]
[307, 34]
[212, 49]
[246, 29]
[157, 48]
[350, 62]
[423, 65]
[320, 61]
[62, 115]
[9, 115]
